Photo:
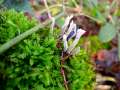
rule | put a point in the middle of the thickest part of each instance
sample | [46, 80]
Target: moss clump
[12, 24]
[80, 72]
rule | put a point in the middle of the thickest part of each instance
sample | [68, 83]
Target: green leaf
[107, 32]
[11, 23]
[31, 62]
[98, 15]
[46, 78]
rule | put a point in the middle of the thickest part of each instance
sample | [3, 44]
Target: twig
[81, 4]
[50, 16]
[63, 6]
[117, 8]
[75, 3]
[52, 6]
[63, 58]
[119, 45]
[22, 36]
[83, 14]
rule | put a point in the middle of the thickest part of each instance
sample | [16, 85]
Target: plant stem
[64, 57]
[22, 36]
[64, 78]
[50, 7]
[46, 5]
[119, 46]
[75, 3]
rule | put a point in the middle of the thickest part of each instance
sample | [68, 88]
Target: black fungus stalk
[64, 57]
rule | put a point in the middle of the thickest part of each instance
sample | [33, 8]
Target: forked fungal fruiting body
[69, 31]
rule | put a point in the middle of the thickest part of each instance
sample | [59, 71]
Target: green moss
[80, 72]
[12, 24]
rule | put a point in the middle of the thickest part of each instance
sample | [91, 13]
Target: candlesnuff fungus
[79, 33]
[67, 21]
[70, 30]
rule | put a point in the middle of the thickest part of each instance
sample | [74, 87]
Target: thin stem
[119, 46]
[75, 3]
[63, 58]
[49, 14]
[53, 6]
[83, 14]
[81, 4]
[64, 78]
[63, 6]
